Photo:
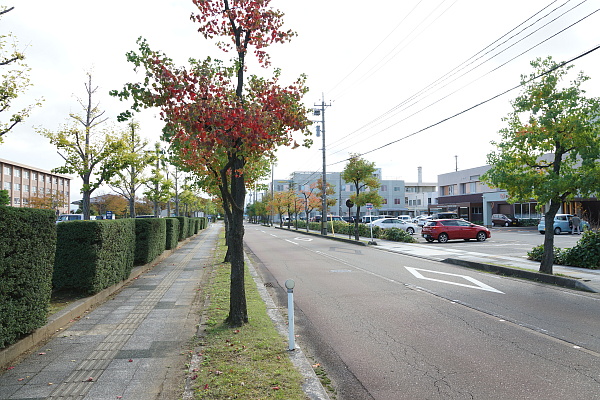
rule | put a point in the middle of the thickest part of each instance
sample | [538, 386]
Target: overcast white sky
[366, 59]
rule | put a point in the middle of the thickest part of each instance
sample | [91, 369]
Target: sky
[393, 74]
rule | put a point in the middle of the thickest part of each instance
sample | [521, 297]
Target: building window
[26, 188]
[17, 172]
[450, 190]
[48, 190]
[477, 210]
[474, 178]
[26, 174]
[17, 201]
[55, 180]
[418, 202]
[473, 187]
[34, 176]
[397, 189]
[384, 188]
[34, 189]
[463, 188]
[17, 187]
[397, 201]
[6, 170]
[406, 200]
[25, 201]
[6, 185]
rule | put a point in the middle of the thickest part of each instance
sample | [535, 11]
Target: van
[367, 219]
[69, 217]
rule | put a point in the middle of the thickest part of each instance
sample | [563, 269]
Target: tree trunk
[238, 313]
[548, 256]
[356, 235]
[85, 206]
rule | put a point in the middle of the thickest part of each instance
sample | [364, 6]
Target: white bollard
[289, 284]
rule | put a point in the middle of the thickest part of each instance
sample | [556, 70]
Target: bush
[27, 248]
[397, 235]
[93, 255]
[150, 239]
[172, 235]
[184, 229]
[586, 254]
[537, 253]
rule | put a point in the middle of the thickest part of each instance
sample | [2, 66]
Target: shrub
[93, 255]
[537, 253]
[184, 229]
[586, 254]
[27, 248]
[150, 239]
[172, 235]
[397, 235]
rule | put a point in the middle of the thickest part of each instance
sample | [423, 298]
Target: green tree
[550, 148]
[360, 173]
[93, 154]
[4, 197]
[14, 81]
[136, 159]
[159, 187]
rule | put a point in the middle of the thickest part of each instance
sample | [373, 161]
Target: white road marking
[475, 282]
[305, 239]
[287, 240]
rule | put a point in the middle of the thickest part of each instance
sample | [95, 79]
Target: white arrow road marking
[475, 282]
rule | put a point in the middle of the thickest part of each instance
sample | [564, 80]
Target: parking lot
[512, 241]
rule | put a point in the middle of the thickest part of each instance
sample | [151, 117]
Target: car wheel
[481, 236]
[429, 239]
[542, 232]
[410, 231]
[557, 231]
[443, 237]
[506, 224]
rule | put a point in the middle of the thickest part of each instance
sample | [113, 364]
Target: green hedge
[184, 229]
[93, 255]
[172, 233]
[150, 239]
[27, 246]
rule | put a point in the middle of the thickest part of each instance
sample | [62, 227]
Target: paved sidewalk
[133, 346]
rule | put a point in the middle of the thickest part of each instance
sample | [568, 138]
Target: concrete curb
[569, 283]
[77, 309]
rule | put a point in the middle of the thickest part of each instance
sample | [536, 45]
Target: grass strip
[249, 362]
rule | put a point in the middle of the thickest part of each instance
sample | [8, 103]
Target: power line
[470, 83]
[562, 64]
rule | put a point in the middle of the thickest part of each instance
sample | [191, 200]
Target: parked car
[445, 215]
[504, 220]
[317, 218]
[386, 223]
[367, 219]
[349, 220]
[423, 219]
[443, 230]
[406, 218]
[562, 223]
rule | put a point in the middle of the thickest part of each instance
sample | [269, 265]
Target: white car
[386, 223]
[422, 219]
[406, 218]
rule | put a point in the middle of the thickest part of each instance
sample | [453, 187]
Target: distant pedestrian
[576, 221]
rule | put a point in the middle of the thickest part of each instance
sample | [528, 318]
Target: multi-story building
[28, 186]
[392, 191]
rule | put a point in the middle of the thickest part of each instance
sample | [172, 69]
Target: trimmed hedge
[150, 239]
[585, 254]
[172, 233]
[184, 229]
[93, 255]
[27, 246]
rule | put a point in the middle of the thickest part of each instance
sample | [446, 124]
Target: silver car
[386, 223]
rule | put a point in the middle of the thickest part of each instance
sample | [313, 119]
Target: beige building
[33, 187]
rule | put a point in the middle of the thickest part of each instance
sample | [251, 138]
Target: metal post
[324, 193]
[289, 284]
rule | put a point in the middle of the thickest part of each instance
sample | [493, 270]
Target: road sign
[369, 206]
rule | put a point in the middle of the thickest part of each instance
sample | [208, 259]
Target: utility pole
[324, 191]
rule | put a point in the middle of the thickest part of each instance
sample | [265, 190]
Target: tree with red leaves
[219, 123]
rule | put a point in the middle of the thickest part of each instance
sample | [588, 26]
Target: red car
[443, 230]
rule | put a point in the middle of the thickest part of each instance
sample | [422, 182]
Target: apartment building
[28, 186]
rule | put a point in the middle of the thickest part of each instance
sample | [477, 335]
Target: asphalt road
[389, 326]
